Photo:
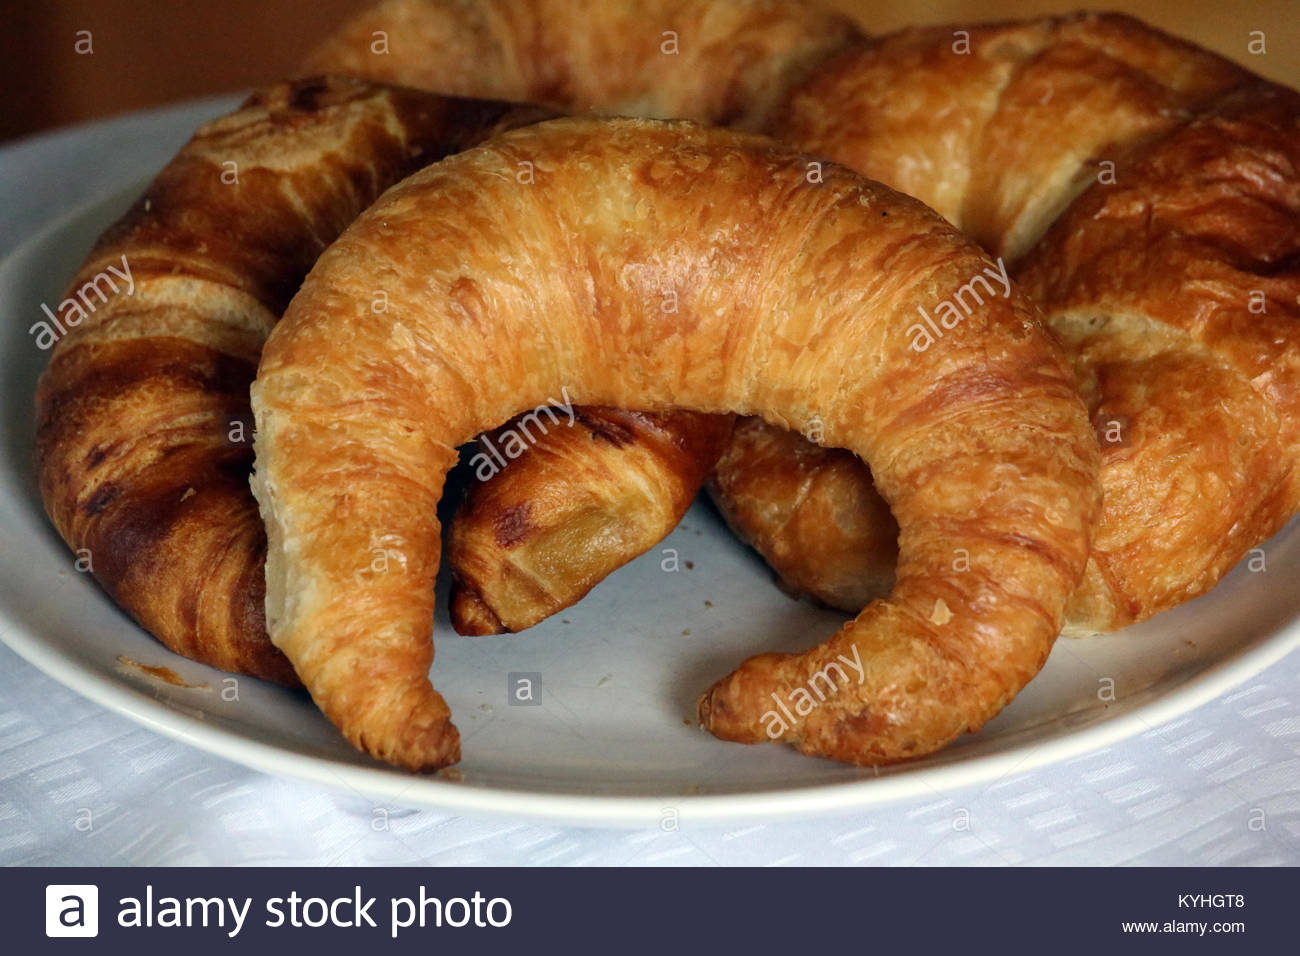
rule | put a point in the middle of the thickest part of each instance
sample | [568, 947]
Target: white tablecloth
[81, 785]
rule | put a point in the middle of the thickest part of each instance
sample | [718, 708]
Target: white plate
[613, 741]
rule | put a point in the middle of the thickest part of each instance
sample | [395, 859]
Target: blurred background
[149, 52]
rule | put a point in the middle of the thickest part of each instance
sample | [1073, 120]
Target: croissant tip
[426, 749]
[704, 709]
[470, 614]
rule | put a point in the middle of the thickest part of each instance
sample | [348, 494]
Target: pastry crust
[1170, 180]
[981, 442]
[588, 495]
[715, 61]
[813, 513]
[144, 433]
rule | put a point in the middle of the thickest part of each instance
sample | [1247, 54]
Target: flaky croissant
[143, 420]
[716, 61]
[981, 444]
[1146, 194]
[1172, 178]
[144, 434]
[600, 489]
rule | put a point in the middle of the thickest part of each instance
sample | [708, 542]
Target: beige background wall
[148, 52]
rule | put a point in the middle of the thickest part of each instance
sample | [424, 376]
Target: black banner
[647, 910]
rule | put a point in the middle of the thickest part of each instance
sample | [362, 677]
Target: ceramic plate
[610, 737]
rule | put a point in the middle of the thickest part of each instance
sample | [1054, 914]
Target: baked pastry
[981, 444]
[602, 487]
[1145, 193]
[813, 513]
[1170, 275]
[716, 61]
[144, 437]
[144, 434]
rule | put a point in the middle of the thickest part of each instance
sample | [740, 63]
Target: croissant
[601, 488]
[813, 513]
[1145, 193]
[1178, 309]
[144, 437]
[981, 444]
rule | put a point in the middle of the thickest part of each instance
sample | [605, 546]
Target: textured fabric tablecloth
[80, 785]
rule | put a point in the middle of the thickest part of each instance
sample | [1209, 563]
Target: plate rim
[625, 811]
[109, 690]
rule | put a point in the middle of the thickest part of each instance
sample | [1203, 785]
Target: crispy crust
[982, 442]
[589, 495]
[716, 61]
[1145, 269]
[144, 432]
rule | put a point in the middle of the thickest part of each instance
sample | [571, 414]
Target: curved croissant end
[795, 303]
[811, 512]
[585, 497]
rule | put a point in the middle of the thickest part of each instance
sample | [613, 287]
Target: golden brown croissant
[1150, 78]
[1184, 354]
[600, 489]
[1196, 470]
[144, 432]
[795, 304]
[813, 513]
[1170, 180]
[716, 61]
